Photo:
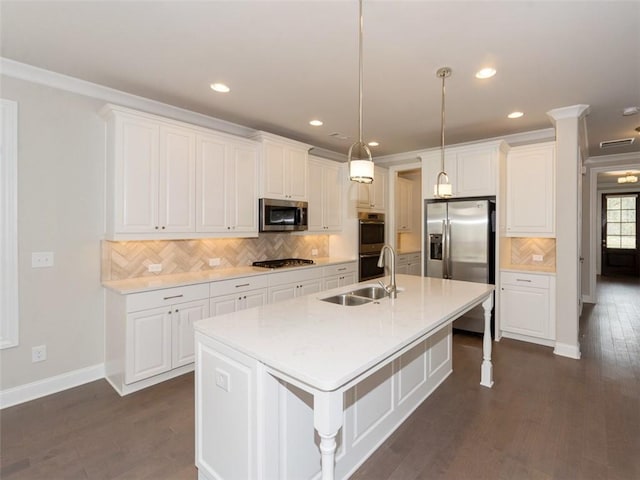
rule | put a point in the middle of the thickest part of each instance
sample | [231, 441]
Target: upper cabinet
[472, 169]
[227, 185]
[284, 166]
[373, 196]
[325, 195]
[530, 191]
[170, 180]
[404, 205]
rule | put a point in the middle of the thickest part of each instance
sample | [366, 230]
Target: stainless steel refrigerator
[460, 245]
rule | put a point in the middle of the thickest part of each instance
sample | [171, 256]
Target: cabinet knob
[228, 228]
[157, 227]
[177, 310]
[169, 312]
[163, 227]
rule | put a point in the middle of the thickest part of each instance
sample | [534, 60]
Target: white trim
[9, 305]
[615, 158]
[588, 299]
[574, 111]
[566, 350]
[41, 76]
[48, 386]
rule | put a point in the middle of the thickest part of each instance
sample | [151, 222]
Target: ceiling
[288, 62]
[610, 179]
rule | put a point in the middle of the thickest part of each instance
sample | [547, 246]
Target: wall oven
[371, 239]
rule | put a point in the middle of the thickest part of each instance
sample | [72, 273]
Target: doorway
[620, 226]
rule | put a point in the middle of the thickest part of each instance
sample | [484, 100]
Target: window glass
[621, 221]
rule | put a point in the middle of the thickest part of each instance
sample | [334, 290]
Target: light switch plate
[538, 258]
[214, 262]
[41, 259]
[155, 267]
[222, 380]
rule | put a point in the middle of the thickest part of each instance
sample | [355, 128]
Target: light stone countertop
[156, 282]
[325, 345]
[407, 251]
[528, 269]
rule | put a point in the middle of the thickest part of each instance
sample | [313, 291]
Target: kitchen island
[268, 376]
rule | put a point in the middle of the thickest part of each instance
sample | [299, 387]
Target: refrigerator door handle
[448, 257]
[445, 250]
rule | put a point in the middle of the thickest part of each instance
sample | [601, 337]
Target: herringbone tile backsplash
[523, 249]
[122, 260]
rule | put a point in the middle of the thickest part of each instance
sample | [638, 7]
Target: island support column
[327, 420]
[486, 373]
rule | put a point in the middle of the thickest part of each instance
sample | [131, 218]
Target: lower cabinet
[149, 335]
[294, 283]
[409, 264]
[237, 294]
[335, 276]
[527, 307]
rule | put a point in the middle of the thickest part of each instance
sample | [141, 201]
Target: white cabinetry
[531, 191]
[404, 205]
[294, 283]
[472, 169]
[232, 295]
[283, 168]
[325, 195]
[149, 335]
[373, 196]
[340, 275]
[409, 264]
[227, 185]
[527, 307]
[151, 176]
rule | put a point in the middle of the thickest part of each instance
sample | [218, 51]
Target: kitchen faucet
[391, 288]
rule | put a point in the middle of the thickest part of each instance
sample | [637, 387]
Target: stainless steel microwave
[283, 215]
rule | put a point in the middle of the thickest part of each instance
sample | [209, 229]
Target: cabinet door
[148, 344]
[224, 304]
[402, 269]
[404, 205]
[414, 269]
[176, 209]
[476, 173]
[365, 195]
[212, 187]
[331, 282]
[531, 191]
[282, 292]
[184, 314]
[525, 310]
[308, 287]
[244, 201]
[136, 169]
[432, 166]
[255, 298]
[316, 196]
[296, 174]
[333, 182]
[348, 279]
[380, 189]
[273, 168]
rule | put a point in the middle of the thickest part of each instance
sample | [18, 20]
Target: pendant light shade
[442, 188]
[360, 171]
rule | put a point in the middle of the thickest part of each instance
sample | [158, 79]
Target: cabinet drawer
[339, 269]
[525, 280]
[403, 259]
[166, 296]
[294, 276]
[236, 285]
[414, 257]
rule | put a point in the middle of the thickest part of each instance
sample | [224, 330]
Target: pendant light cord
[360, 28]
[443, 75]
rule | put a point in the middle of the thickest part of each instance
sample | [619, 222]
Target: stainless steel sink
[373, 292]
[347, 299]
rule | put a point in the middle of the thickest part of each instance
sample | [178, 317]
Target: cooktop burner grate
[283, 262]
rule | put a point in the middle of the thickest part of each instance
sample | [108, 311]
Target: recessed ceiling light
[316, 123]
[515, 115]
[487, 72]
[373, 144]
[220, 87]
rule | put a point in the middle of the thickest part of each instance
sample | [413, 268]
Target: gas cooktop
[283, 262]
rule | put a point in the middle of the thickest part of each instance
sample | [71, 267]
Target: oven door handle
[369, 255]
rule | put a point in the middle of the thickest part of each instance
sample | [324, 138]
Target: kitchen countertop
[528, 269]
[156, 282]
[404, 252]
[325, 345]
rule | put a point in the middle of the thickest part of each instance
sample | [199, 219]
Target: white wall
[60, 209]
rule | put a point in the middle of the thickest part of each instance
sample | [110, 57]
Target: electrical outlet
[39, 353]
[214, 262]
[537, 258]
[155, 267]
[41, 259]
[222, 380]
[314, 252]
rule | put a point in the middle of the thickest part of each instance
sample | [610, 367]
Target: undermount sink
[347, 299]
[372, 292]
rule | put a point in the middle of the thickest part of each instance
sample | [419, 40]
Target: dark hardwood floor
[547, 417]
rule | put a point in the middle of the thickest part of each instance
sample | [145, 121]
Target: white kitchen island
[268, 376]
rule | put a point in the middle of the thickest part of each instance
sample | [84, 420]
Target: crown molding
[574, 111]
[29, 73]
[615, 158]
[328, 154]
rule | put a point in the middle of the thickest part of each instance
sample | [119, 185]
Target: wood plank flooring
[547, 417]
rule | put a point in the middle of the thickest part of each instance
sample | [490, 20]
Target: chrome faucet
[391, 288]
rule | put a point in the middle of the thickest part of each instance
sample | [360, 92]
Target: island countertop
[325, 345]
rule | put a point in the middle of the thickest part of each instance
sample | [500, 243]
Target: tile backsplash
[122, 260]
[523, 249]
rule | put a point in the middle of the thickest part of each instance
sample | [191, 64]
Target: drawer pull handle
[243, 285]
[173, 296]
[342, 269]
[522, 280]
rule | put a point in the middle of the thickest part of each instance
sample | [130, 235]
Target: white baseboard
[589, 299]
[567, 350]
[41, 388]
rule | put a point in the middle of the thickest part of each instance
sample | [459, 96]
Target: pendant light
[442, 188]
[360, 171]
